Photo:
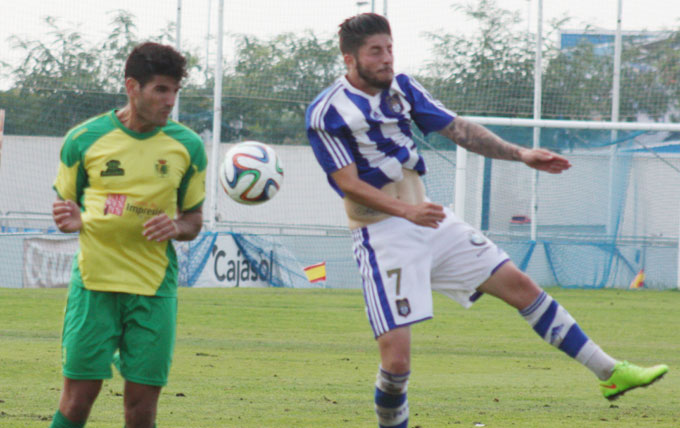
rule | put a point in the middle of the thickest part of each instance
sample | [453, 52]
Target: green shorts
[97, 323]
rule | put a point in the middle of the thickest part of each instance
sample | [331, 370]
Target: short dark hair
[150, 59]
[354, 31]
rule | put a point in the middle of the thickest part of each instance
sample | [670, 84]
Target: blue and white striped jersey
[346, 125]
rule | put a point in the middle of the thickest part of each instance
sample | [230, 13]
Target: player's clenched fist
[66, 215]
[426, 214]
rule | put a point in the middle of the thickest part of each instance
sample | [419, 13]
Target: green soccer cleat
[627, 376]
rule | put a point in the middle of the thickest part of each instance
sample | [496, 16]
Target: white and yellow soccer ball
[251, 173]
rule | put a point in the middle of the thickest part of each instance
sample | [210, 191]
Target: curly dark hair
[354, 31]
[150, 59]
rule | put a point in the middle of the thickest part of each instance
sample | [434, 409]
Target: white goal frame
[537, 124]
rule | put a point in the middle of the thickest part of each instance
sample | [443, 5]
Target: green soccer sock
[60, 421]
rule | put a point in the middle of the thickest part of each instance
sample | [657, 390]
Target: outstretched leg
[556, 326]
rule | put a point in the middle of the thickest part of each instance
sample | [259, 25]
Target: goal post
[627, 198]
[2, 131]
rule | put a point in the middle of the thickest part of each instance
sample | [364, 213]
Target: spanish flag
[316, 273]
[639, 280]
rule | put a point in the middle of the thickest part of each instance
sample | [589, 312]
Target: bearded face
[371, 68]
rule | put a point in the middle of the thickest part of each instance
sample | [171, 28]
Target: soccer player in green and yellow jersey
[129, 182]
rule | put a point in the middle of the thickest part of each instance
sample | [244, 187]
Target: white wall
[28, 166]
[577, 199]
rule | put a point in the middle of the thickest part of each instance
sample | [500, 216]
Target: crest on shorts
[403, 307]
[476, 238]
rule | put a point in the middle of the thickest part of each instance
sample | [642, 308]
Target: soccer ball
[251, 173]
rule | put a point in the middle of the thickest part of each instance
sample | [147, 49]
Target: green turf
[306, 358]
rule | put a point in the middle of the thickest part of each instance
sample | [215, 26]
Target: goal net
[610, 218]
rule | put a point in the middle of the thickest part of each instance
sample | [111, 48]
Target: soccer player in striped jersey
[407, 246]
[129, 182]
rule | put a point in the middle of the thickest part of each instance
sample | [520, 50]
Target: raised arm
[480, 140]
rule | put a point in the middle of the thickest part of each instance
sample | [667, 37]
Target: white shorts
[401, 263]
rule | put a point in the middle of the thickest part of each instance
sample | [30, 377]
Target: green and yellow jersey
[121, 179]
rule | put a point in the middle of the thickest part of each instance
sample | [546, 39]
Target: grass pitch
[279, 358]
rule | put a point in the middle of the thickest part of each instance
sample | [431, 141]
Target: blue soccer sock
[554, 324]
[60, 421]
[391, 404]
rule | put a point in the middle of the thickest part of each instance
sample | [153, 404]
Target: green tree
[488, 73]
[65, 79]
[650, 79]
[58, 79]
[578, 82]
[491, 73]
[272, 82]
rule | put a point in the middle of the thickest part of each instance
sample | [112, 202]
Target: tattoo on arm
[478, 139]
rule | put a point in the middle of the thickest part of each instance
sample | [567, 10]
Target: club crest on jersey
[403, 307]
[394, 104]
[477, 238]
[113, 169]
[162, 168]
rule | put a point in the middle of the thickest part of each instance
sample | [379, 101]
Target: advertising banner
[228, 267]
[47, 262]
